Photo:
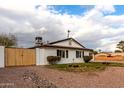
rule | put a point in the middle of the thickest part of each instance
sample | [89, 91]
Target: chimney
[38, 41]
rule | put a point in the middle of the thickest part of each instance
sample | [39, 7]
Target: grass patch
[84, 67]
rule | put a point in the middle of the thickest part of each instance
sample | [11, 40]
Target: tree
[8, 40]
[117, 51]
[120, 45]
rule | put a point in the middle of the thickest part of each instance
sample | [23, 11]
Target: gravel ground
[42, 77]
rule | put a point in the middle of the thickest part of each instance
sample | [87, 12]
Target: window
[58, 53]
[61, 53]
[66, 53]
[78, 54]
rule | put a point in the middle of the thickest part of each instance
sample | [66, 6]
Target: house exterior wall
[40, 56]
[66, 43]
[48, 52]
[1, 56]
[86, 53]
[72, 58]
[53, 52]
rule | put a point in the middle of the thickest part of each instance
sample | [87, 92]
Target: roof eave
[47, 46]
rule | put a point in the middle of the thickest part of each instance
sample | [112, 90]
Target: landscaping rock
[39, 82]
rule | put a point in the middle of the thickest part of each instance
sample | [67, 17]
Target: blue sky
[94, 26]
[72, 9]
[80, 9]
[119, 10]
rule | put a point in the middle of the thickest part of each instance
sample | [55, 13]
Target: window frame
[61, 53]
[78, 54]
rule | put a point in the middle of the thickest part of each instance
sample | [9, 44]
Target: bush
[53, 59]
[87, 58]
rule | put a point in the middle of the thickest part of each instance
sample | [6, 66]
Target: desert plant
[53, 59]
[87, 58]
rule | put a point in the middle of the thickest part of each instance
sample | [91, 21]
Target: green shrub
[53, 59]
[87, 58]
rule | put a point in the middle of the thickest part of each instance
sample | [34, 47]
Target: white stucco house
[68, 49]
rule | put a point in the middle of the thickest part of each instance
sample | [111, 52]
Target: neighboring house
[68, 49]
[106, 56]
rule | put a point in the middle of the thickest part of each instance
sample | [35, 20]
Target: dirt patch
[92, 74]
[42, 77]
[23, 77]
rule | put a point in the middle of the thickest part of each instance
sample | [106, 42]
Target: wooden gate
[19, 57]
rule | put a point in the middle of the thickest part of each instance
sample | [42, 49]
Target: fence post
[2, 56]
[40, 56]
[37, 56]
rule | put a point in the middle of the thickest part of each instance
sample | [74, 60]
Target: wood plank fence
[19, 57]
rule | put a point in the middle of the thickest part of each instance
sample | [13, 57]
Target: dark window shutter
[66, 53]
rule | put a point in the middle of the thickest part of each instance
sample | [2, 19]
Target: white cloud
[19, 5]
[105, 8]
[92, 29]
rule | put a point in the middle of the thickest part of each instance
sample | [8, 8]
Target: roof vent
[68, 33]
